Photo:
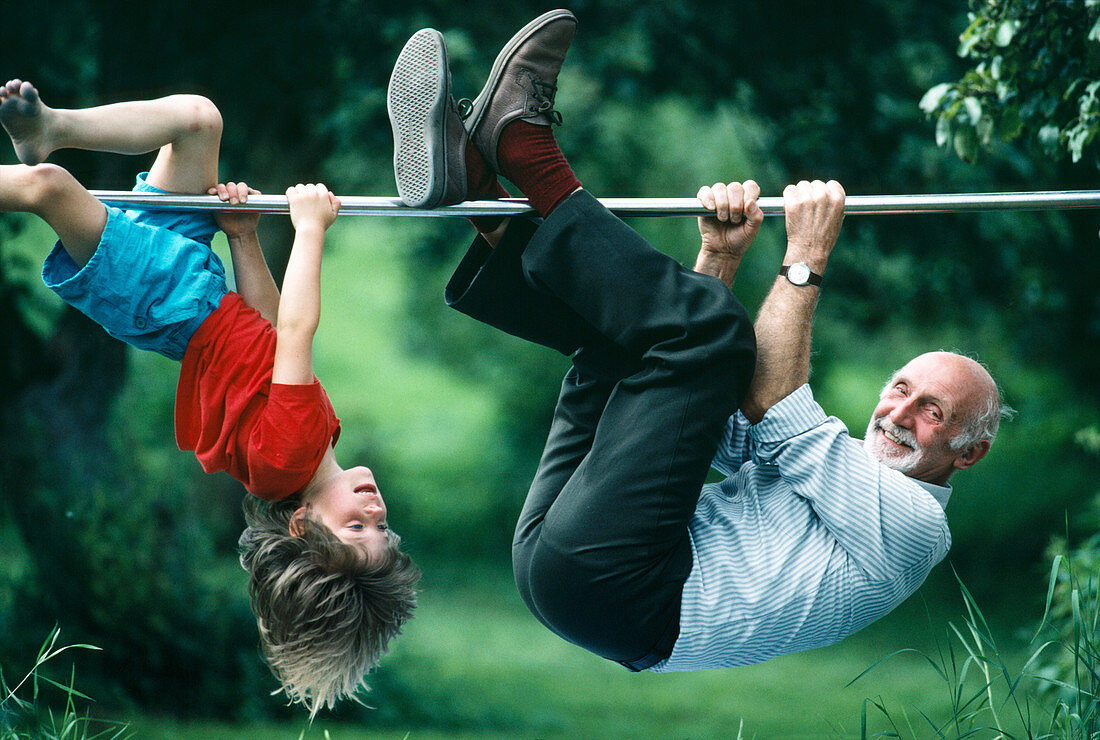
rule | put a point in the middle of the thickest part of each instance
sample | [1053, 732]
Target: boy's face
[350, 505]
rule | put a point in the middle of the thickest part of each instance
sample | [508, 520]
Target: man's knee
[730, 342]
[725, 325]
[526, 578]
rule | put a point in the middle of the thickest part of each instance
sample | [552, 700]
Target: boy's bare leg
[51, 193]
[185, 128]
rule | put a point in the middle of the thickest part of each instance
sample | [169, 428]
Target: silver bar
[771, 206]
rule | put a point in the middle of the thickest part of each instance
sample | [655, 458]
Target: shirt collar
[940, 493]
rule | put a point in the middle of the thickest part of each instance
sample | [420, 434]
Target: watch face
[798, 273]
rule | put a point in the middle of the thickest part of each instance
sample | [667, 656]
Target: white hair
[986, 420]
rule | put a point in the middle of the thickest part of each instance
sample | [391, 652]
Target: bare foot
[25, 117]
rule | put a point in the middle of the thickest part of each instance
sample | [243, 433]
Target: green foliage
[1036, 74]
[33, 717]
[105, 525]
[1073, 604]
[1056, 692]
[989, 697]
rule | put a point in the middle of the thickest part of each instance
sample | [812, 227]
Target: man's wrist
[800, 274]
[816, 263]
[721, 265]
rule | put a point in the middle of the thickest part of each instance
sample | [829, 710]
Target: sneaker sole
[416, 101]
[481, 103]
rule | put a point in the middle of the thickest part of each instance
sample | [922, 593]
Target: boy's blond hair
[325, 613]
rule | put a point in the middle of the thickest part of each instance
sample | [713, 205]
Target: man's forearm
[783, 331]
[814, 212]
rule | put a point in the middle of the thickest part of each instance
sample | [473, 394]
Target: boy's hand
[312, 205]
[235, 223]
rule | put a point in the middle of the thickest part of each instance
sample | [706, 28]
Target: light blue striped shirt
[807, 540]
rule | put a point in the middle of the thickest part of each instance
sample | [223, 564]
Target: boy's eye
[383, 527]
[357, 527]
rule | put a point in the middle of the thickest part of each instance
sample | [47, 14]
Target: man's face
[350, 505]
[921, 409]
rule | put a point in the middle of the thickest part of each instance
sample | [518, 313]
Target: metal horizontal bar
[771, 206]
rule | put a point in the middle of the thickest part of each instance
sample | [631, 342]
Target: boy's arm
[250, 270]
[312, 210]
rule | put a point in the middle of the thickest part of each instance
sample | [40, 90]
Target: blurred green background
[110, 532]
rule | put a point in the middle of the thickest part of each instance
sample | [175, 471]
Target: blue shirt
[807, 540]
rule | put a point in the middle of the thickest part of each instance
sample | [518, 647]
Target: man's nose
[902, 413]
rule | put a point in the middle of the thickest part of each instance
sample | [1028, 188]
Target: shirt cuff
[793, 415]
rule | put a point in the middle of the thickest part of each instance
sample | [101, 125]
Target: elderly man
[814, 535]
[621, 547]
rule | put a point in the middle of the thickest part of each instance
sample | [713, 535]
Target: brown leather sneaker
[429, 141]
[522, 83]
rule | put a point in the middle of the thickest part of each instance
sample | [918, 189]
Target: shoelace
[542, 96]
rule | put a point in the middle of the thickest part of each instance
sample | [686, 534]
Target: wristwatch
[799, 273]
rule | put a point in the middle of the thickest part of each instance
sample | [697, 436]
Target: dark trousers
[662, 356]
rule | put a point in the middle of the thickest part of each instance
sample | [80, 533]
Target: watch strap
[812, 277]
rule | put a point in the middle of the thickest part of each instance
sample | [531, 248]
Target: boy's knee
[44, 183]
[202, 115]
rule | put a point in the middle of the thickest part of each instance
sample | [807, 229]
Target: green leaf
[1094, 32]
[973, 109]
[966, 144]
[943, 131]
[1010, 123]
[984, 129]
[932, 98]
[1005, 32]
[968, 42]
[1048, 137]
[1075, 142]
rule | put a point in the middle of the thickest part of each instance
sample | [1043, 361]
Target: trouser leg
[601, 548]
[490, 285]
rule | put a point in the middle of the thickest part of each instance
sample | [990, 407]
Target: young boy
[328, 583]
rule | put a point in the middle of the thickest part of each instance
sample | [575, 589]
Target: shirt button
[139, 322]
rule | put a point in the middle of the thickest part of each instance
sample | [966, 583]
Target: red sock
[482, 184]
[529, 156]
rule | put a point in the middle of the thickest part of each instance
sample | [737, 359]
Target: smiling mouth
[367, 489]
[895, 439]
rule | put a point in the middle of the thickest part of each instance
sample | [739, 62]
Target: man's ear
[296, 519]
[972, 454]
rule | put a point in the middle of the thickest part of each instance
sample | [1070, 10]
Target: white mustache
[904, 435]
